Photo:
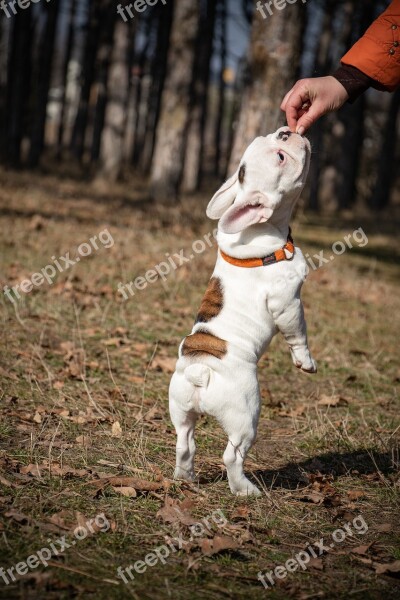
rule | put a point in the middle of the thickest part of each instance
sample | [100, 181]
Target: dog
[253, 294]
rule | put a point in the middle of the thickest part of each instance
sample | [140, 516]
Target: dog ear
[254, 207]
[223, 198]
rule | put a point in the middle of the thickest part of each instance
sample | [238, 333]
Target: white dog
[253, 293]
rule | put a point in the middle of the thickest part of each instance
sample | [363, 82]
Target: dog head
[267, 183]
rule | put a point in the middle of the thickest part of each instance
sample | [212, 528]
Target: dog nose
[284, 135]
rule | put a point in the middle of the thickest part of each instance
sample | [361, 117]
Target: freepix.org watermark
[10, 8]
[161, 553]
[301, 559]
[42, 556]
[164, 268]
[138, 6]
[266, 9]
[59, 265]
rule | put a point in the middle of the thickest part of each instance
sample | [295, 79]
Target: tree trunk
[195, 140]
[104, 58]
[174, 118]
[67, 58]
[275, 50]
[112, 143]
[45, 61]
[352, 118]
[322, 66]
[221, 86]
[387, 157]
[88, 71]
[158, 75]
[18, 85]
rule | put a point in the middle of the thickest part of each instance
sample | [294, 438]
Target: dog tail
[198, 375]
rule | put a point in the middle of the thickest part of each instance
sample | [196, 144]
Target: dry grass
[76, 359]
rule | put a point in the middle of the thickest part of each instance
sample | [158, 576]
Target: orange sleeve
[377, 53]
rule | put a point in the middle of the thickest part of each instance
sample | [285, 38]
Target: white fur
[258, 302]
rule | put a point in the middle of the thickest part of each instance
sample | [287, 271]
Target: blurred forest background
[177, 92]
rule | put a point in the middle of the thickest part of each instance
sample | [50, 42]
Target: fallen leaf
[127, 491]
[31, 469]
[217, 544]
[116, 429]
[355, 495]
[116, 341]
[363, 549]
[384, 528]
[174, 511]
[332, 401]
[165, 364]
[83, 440]
[393, 567]
[240, 512]
[316, 563]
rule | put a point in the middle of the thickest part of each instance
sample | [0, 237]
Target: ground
[86, 434]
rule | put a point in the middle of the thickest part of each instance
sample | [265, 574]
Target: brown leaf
[165, 364]
[17, 516]
[5, 482]
[240, 512]
[83, 440]
[116, 430]
[316, 563]
[384, 528]
[393, 567]
[355, 495]
[217, 544]
[363, 549]
[174, 511]
[60, 519]
[31, 469]
[332, 401]
[312, 496]
[116, 341]
[139, 484]
[127, 491]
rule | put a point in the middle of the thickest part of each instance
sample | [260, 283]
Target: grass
[76, 359]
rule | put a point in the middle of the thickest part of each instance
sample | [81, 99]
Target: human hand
[310, 99]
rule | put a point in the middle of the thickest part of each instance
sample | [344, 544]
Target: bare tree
[275, 51]
[198, 116]
[117, 97]
[171, 134]
[45, 61]
[18, 85]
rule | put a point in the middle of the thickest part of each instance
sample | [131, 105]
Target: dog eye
[281, 156]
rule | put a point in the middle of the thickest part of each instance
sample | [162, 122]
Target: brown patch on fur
[212, 302]
[204, 342]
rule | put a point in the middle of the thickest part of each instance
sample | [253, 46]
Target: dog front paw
[303, 360]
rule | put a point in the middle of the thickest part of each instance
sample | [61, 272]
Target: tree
[117, 97]
[45, 61]
[275, 50]
[18, 85]
[199, 97]
[87, 77]
[172, 128]
[67, 58]
[387, 157]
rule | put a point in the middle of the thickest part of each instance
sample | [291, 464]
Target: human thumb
[315, 111]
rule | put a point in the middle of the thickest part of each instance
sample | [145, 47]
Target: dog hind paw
[180, 473]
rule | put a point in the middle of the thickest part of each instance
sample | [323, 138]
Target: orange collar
[284, 253]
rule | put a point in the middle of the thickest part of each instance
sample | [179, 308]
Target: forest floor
[85, 430]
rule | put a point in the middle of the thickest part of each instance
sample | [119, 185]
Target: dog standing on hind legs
[253, 294]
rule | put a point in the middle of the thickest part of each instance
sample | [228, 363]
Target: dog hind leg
[241, 430]
[184, 423]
